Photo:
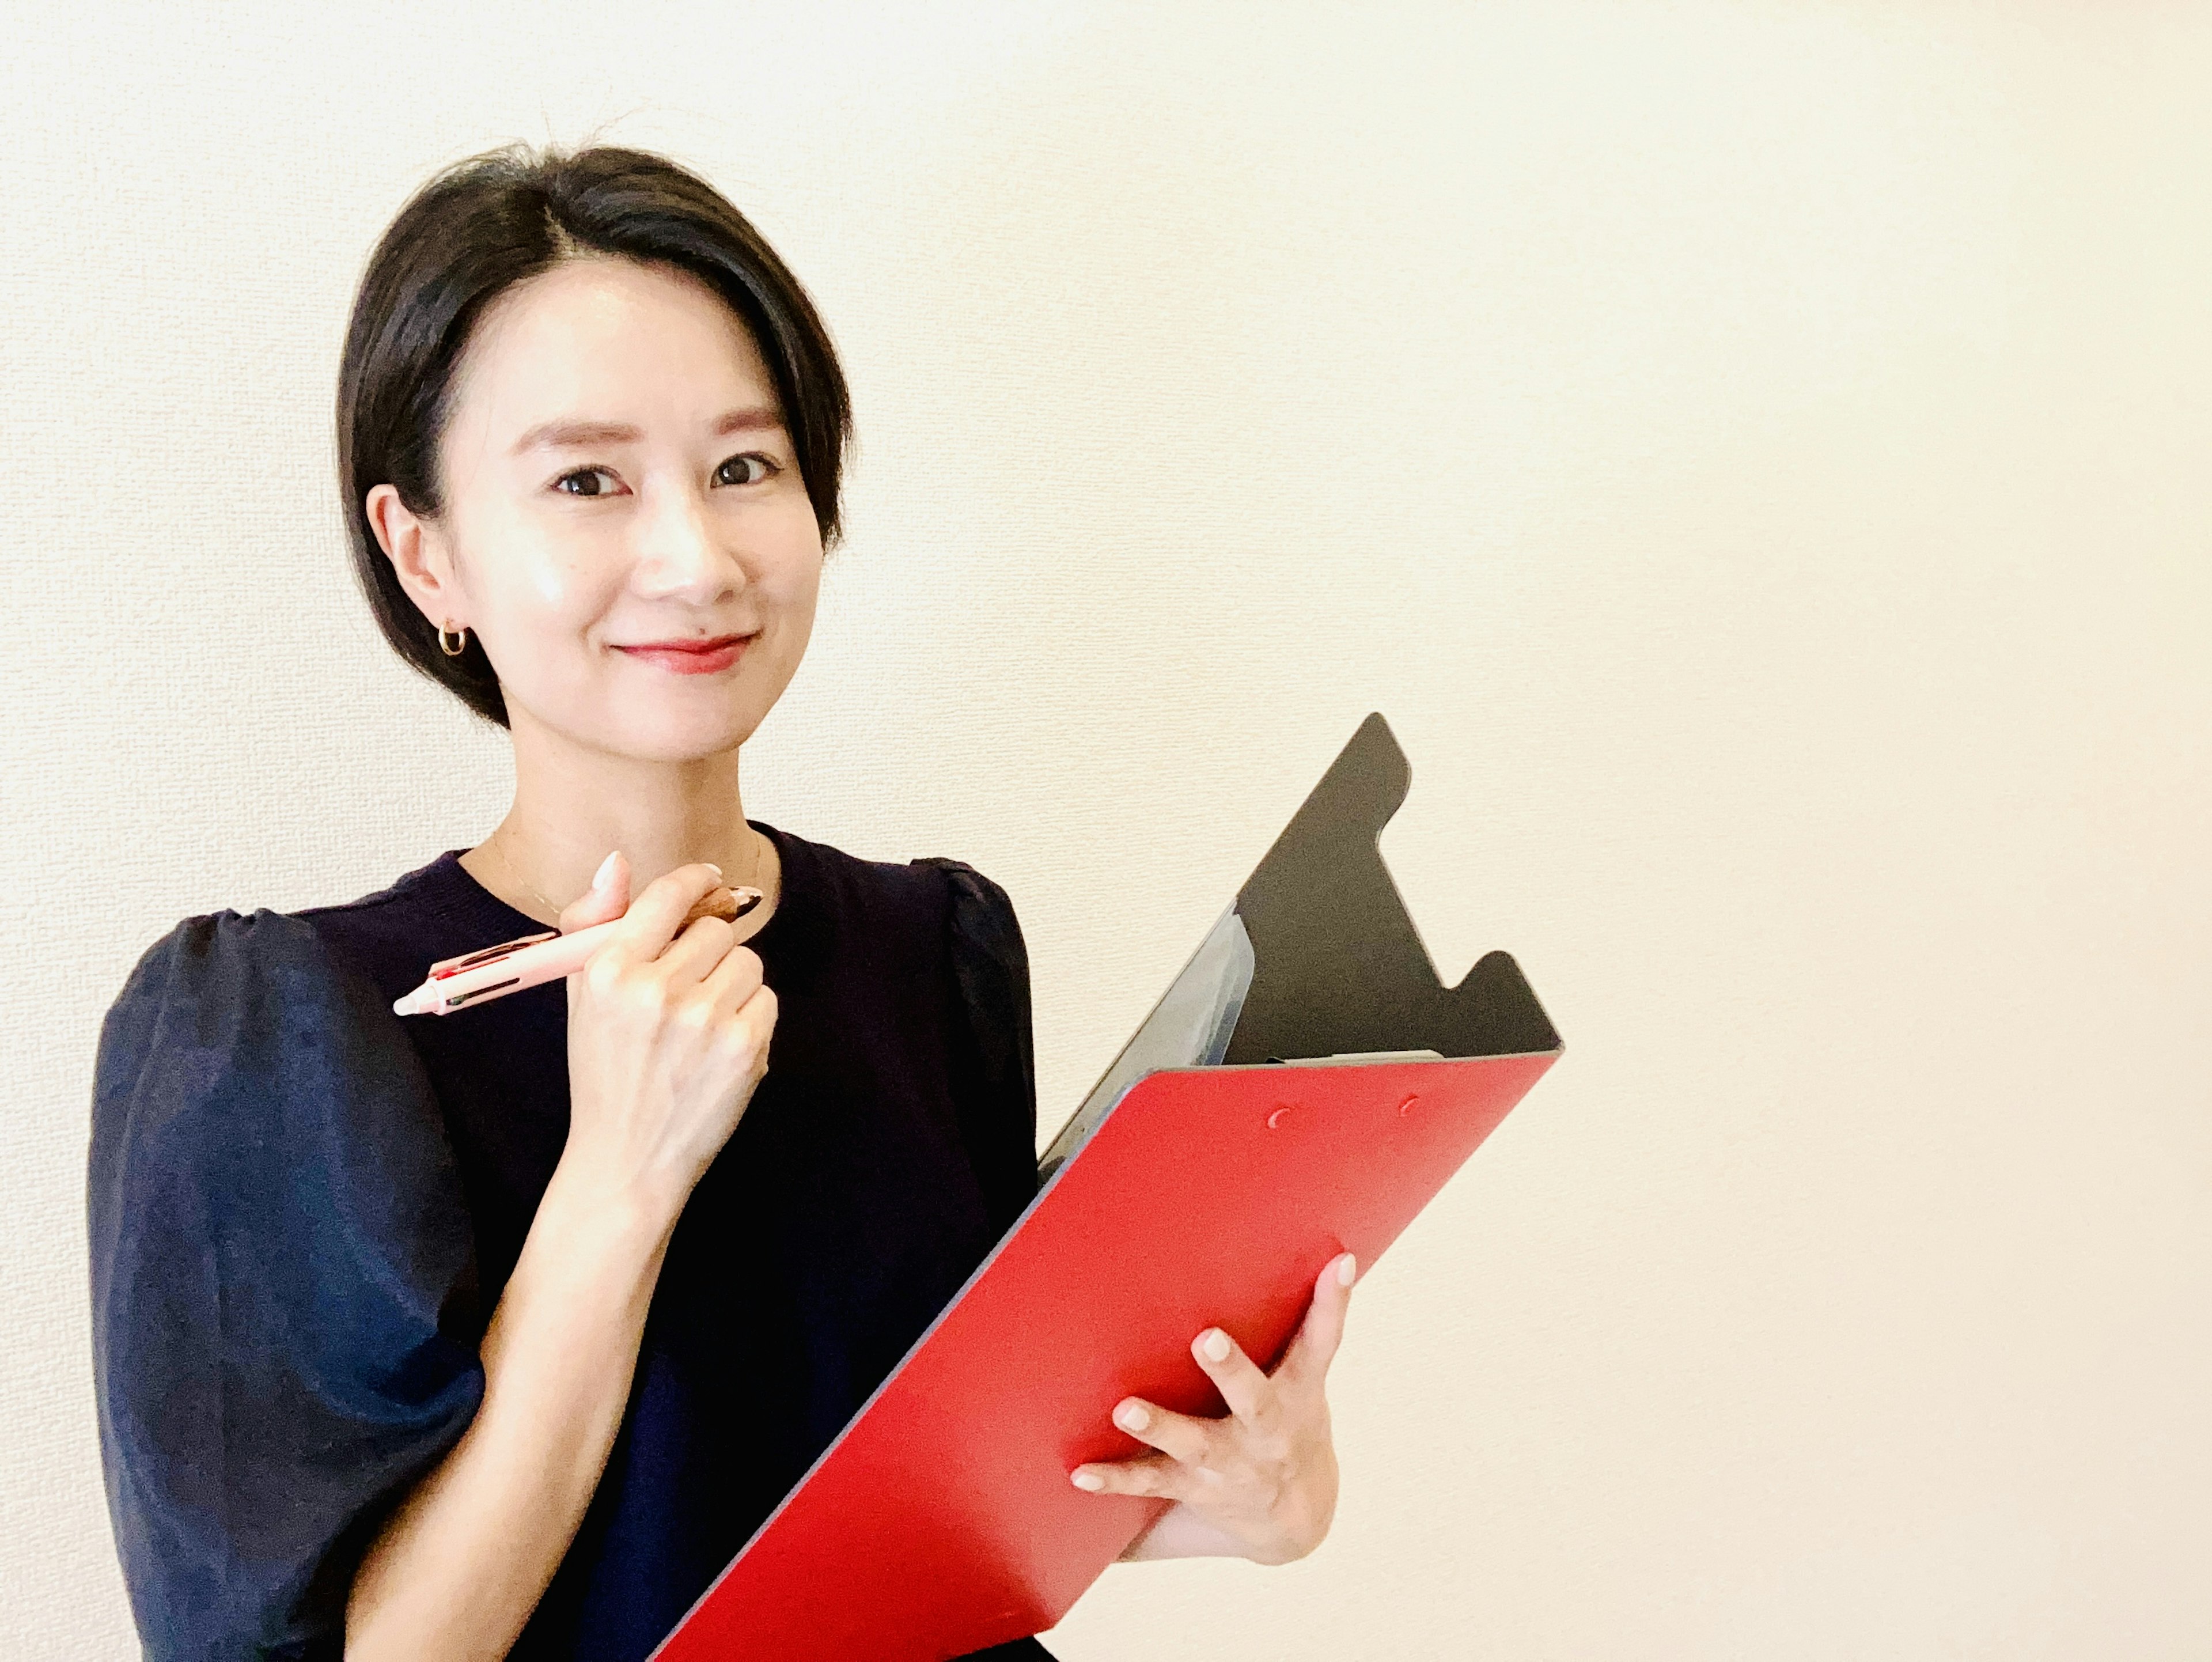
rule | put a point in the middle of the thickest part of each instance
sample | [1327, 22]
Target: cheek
[562, 580]
[796, 594]
[552, 588]
[789, 578]
[540, 601]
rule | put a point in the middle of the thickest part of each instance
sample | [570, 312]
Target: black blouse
[303, 1209]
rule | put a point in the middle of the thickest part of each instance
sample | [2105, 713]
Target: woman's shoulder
[924, 883]
[227, 1013]
[210, 969]
[238, 961]
[924, 899]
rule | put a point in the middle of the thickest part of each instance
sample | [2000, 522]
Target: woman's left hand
[1259, 1485]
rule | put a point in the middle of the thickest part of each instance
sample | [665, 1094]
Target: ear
[417, 550]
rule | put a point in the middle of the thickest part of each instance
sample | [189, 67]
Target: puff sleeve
[997, 1098]
[284, 1320]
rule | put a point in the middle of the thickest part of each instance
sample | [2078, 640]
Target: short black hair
[475, 230]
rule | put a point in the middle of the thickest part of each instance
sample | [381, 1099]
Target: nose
[682, 556]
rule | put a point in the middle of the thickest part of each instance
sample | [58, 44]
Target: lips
[705, 657]
[710, 643]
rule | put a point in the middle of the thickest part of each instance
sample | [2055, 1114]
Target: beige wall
[1756, 457]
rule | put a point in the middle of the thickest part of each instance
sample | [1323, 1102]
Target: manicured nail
[1131, 1416]
[1089, 1480]
[606, 871]
[1346, 1268]
[1215, 1344]
[713, 867]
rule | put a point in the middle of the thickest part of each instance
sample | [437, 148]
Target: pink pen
[531, 960]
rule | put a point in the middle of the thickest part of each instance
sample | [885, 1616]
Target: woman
[499, 1334]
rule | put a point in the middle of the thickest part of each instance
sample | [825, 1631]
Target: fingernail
[1215, 1344]
[715, 868]
[1089, 1480]
[1131, 1416]
[1346, 1268]
[606, 870]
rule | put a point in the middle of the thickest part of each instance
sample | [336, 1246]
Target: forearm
[458, 1569]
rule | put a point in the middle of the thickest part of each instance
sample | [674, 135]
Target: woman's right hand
[668, 1037]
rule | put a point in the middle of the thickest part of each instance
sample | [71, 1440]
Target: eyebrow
[571, 433]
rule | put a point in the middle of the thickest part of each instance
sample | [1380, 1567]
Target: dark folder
[1304, 1088]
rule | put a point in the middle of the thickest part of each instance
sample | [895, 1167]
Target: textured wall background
[1754, 454]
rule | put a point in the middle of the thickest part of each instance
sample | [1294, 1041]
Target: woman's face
[616, 476]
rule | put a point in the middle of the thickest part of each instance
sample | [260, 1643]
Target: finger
[732, 981]
[1235, 1375]
[1154, 1474]
[652, 922]
[607, 899]
[759, 1013]
[1178, 1436]
[1323, 1331]
[700, 945]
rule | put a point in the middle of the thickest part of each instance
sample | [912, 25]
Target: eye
[589, 481]
[750, 468]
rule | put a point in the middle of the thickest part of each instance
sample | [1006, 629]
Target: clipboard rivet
[1275, 1119]
[1406, 1106]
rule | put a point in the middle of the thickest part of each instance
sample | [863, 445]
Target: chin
[688, 740]
[678, 729]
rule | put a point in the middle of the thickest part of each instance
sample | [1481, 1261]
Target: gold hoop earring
[454, 651]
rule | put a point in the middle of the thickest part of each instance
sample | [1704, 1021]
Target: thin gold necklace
[752, 874]
[509, 867]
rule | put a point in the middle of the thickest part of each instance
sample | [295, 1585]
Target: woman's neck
[571, 808]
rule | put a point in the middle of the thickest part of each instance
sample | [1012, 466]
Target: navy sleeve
[998, 1101]
[284, 1320]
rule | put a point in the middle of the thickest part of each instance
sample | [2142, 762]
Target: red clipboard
[941, 1521]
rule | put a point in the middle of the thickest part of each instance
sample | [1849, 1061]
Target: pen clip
[446, 966]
